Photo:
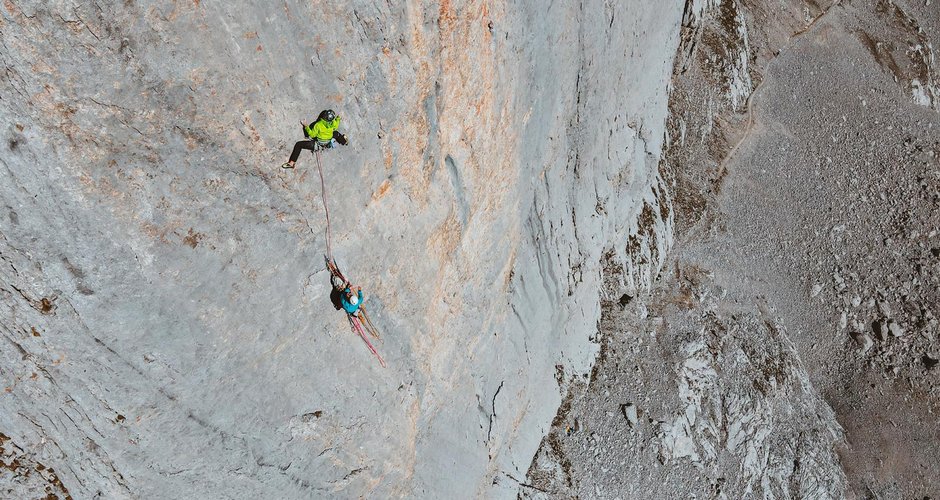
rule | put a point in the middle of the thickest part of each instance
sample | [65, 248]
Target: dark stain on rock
[74, 270]
[193, 238]
[79, 276]
[880, 329]
[881, 52]
[624, 300]
[554, 439]
[457, 185]
[723, 42]
[46, 306]
[24, 470]
[309, 417]
[929, 362]
[35, 331]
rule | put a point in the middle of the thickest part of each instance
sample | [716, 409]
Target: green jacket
[322, 130]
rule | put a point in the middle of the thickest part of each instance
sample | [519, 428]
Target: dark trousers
[313, 145]
[310, 145]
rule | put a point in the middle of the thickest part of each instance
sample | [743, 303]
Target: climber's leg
[300, 146]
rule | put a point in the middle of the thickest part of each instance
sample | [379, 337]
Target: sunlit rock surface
[165, 317]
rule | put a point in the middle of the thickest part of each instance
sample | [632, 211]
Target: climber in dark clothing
[322, 134]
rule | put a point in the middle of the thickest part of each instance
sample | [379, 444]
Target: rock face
[725, 405]
[796, 316]
[165, 316]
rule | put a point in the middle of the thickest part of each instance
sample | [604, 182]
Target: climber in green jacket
[322, 133]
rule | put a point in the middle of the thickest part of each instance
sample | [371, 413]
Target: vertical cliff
[166, 324]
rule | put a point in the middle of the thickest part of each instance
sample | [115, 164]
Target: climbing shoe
[287, 165]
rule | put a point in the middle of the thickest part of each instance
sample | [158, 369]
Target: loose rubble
[809, 216]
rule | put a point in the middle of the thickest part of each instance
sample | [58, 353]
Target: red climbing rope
[357, 327]
[334, 270]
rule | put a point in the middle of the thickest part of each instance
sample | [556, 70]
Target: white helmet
[354, 300]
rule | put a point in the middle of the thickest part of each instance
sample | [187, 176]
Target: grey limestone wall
[166, 325]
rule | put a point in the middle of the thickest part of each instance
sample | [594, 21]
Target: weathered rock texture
[832, 210]
[165, 317]
[789, 349]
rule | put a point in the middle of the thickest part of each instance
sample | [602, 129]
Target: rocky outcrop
[21, 477]
[796, 317]
[165, 313]
[694, 394]
[746, 399]
[726, 407]
[901, 46]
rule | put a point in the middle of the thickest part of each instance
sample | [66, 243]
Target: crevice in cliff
[489, 430]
